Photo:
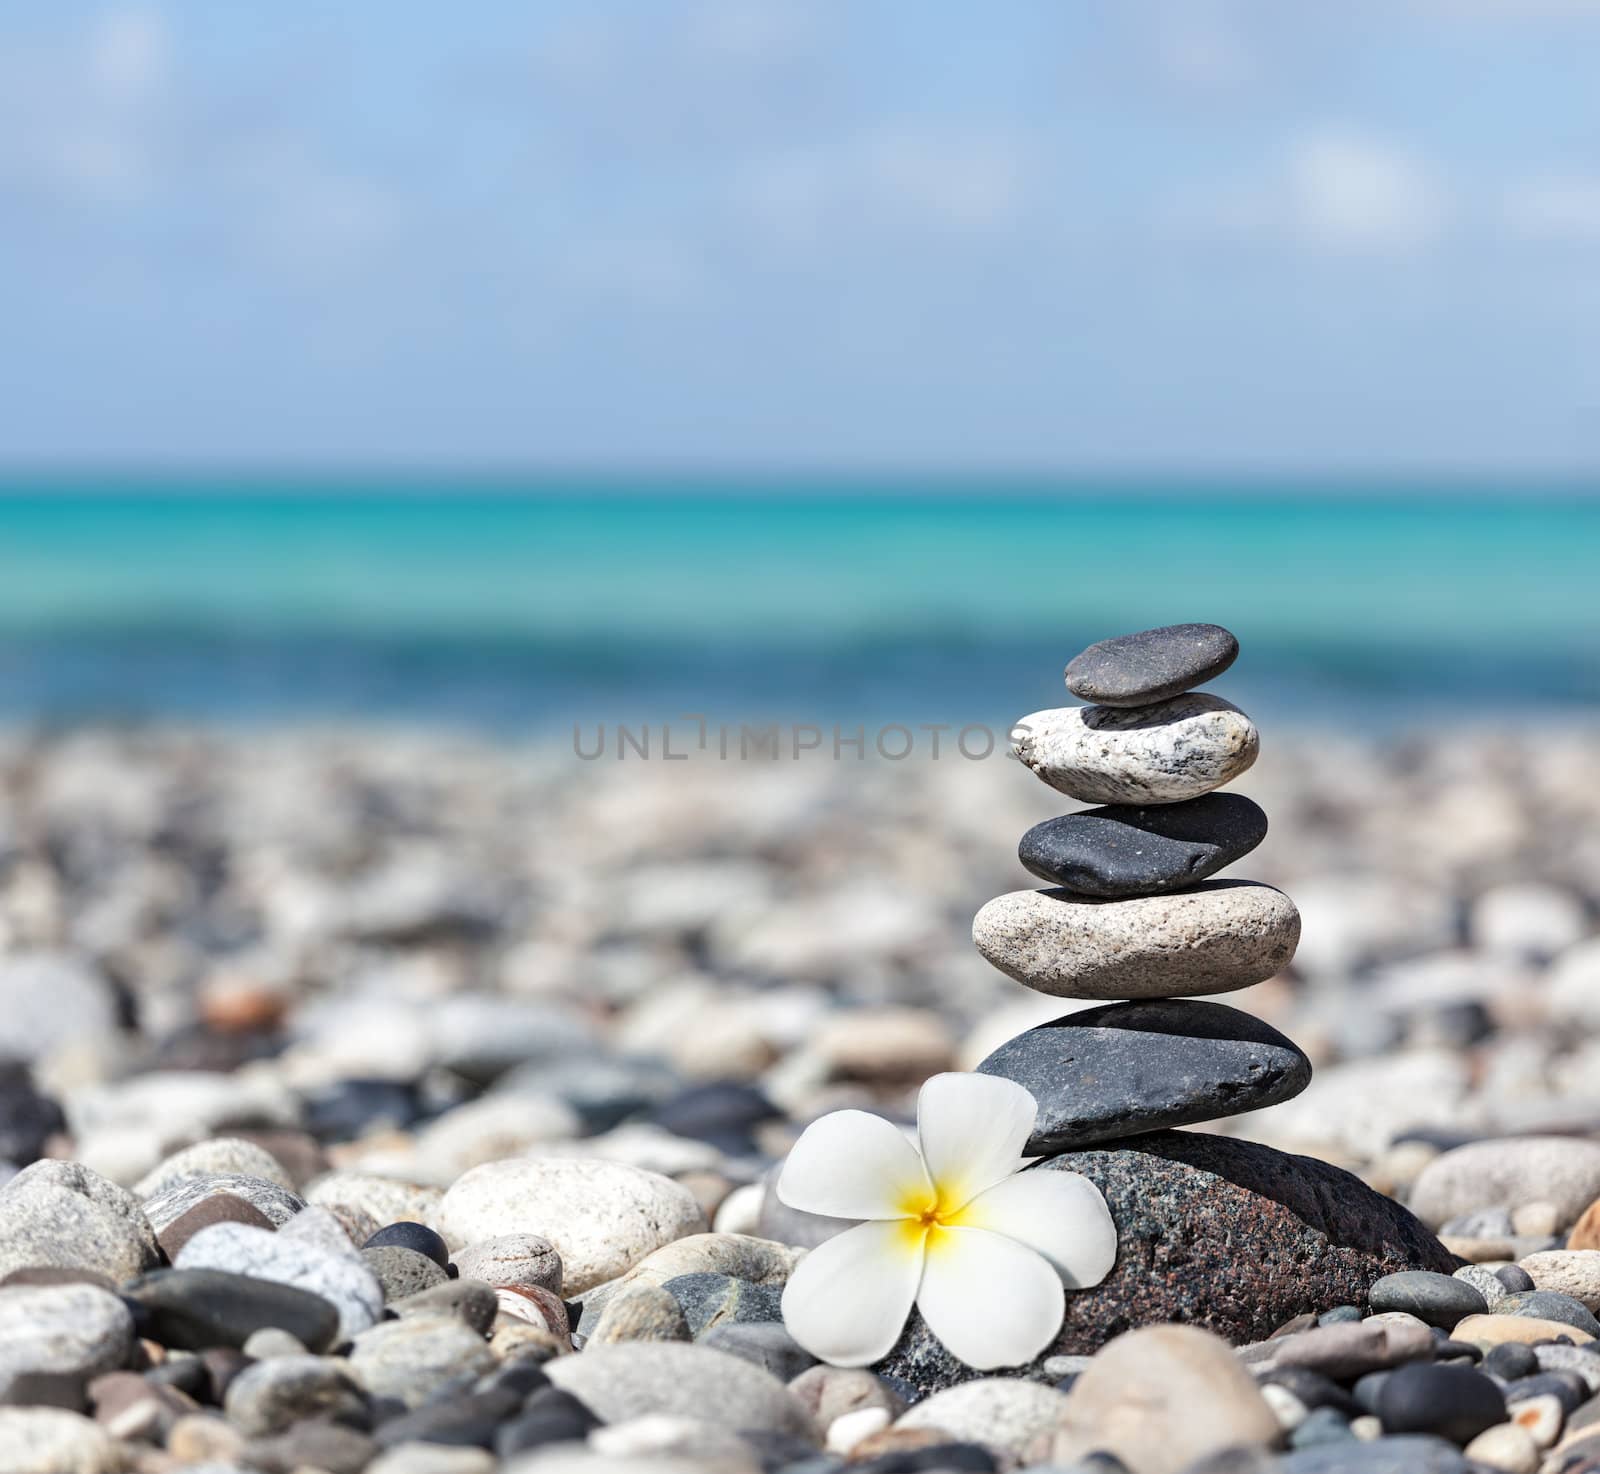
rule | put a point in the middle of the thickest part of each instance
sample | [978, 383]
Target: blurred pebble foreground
[347, 968]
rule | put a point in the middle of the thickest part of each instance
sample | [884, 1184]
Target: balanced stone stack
[1212, 1230]
[1133, 913]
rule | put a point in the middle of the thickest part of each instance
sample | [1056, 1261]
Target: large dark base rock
[1215, 1232]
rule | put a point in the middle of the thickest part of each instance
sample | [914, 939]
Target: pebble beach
[409, 1102]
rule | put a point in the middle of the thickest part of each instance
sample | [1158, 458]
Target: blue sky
[1194, 235]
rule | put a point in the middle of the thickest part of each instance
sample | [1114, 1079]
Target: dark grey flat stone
[199, 1308]
[1152, 665]
[1131, 1067]
[1439, 1299]
[1550, 1305]
[1140, 850]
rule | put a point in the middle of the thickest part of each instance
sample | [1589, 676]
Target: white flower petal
[848, 1299]
[1061, 1214]
[851, 1164]
[991, 1300]
[972, 1129]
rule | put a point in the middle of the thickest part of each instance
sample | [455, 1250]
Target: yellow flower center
[926, 1212]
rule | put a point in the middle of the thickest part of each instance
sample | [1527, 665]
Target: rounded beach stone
[65, 1215]
[1494, 1328]
[401, 1272]
[1457, 1403]
[273, 1395]
[411, 1359]
[1222, 935]
[1152, 665]
[1506, 1447]
[75, 1330]
[1550, 1305]
[218, 1208]
[1130, 850]
[207, 1159]
[1115, 1071]
[1157, 754]
[601, 1217]
[47, 1440]
[266, 1197]
[1000, 1413]
[1439, 1299]
[1161, 1398]
[512, 1259]
[1574, 1272]
[1503, 1173]
[201, 1308]
[637, 1378]
[639, 1311]
[1216, 1232]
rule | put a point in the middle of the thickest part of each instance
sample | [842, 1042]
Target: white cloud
[1351, 191]
[1556, 207]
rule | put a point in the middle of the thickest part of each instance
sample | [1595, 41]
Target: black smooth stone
[1152, 665]
[462, 1422]
[1457, 1403]
[1511, 1360]
[1141, 850]
[1314, 1389]
[1321, 1425]
[415, 1236]
[1515, 1278]
[1125, 1068]
[194, 1309]
[549, 1416]
[1439, 1299]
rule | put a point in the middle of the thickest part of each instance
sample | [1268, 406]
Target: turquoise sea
[523, 604]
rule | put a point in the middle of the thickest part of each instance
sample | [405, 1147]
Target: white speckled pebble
[601, 1217]
[1157, 754]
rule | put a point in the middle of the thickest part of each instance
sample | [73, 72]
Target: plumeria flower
[953, 1226]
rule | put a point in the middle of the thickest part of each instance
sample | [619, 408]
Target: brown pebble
[56, 1274]
[1492, 1330]
[223, 1364]
[127, 1406]
[299, 1153]
[1586, 1231]
[900, 1440]
[219, 1208]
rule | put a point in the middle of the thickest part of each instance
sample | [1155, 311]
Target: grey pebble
[1151, 665]
[171, 1203]
[1549, 1305]
[64, 1214]
[1111, 1072]
[471, 1301]
[72, 1330]
[412, 1359]
[710, 1300]
[1439, 1299]
[765, 1343]
[271, 1396]
[512, 1259]
[402, 1272]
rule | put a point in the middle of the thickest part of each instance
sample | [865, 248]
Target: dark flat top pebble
[1152, 665]
[1439, 1299]
[1143, 849]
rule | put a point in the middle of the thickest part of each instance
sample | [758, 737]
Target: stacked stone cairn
[1212, 1231]
[1132, 913]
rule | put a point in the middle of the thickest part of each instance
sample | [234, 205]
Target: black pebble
[416, 1236]
[28, 1118]
[1511, 1360]
[462, 1422]
[1515, 1278]
[1141, 850]
[1152, 665]
[549, 1416]
[1314, 1389]
[1457, 1403]
[1568, 1388]
[1321, 1425]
